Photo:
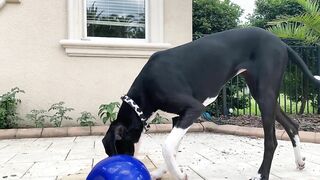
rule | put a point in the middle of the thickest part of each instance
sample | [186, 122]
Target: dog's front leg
[159, 172]
[169, 151]
[192, 110]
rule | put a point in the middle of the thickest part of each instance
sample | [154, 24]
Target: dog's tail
[293, 56]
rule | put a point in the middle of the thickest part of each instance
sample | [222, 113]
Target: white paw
[183, 175]
[317, 77]
[157, 174]
[257, 177]
[301, 163]
[179, 175]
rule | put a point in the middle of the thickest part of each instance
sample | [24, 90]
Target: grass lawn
[286, 104]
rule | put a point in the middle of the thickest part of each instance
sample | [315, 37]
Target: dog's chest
[209, 100]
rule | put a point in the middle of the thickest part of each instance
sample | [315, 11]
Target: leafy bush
[86, 119]
[8, 107]
[108, 112]
[60, 113]
[236, 97]
[37, 116]
[158, 119]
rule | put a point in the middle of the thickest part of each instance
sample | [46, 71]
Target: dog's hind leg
[266, 97]
[291, 128]
[267, 103]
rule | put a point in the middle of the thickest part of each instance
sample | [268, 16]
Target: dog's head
[117, 140]
[123, 132]
[120, 139]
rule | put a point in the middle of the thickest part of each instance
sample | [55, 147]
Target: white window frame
[78, 44]
[3, 2]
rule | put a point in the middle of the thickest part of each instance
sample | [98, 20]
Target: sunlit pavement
[201, 155]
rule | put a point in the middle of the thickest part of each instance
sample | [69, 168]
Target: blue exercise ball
[119, 167]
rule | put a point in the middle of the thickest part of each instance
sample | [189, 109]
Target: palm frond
[311, 21]
[294, 31]
[311, 6]
[278, 21]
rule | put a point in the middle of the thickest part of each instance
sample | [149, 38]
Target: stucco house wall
[33, 58]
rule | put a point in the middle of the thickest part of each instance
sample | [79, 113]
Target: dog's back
[192, 68]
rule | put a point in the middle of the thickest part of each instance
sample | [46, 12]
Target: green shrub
[60, 113]
[86, 119]
[108, 112]
[37, 117]
[158, 119]
[235, 95]
[8, 107]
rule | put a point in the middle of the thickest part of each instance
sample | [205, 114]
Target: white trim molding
[113, 50]
[77, 44]
[3, 2]
[13, 1]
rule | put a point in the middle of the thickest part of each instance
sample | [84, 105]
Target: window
[115, 28]
[116, 19]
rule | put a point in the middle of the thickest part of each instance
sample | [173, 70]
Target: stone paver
[201, 155]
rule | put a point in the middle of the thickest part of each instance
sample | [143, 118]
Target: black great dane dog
[185, 79]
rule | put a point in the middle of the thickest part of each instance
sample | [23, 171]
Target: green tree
[304, 26]
[269, 10]
[210, 16]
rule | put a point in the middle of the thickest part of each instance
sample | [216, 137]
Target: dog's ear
[118, 141]
[116, 132]
[123, 142]
[120, 132]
